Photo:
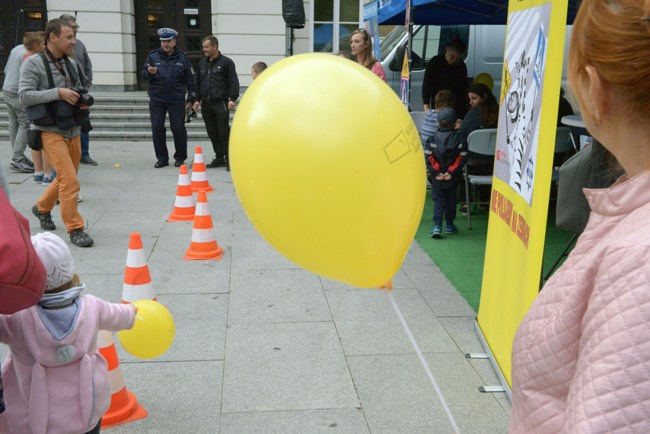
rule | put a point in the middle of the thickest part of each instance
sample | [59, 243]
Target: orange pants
[64, 155]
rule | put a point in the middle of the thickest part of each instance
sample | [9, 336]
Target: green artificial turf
[460, 256]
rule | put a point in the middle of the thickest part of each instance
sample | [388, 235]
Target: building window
[334, 20]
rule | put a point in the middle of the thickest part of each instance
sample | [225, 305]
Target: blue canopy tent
[441, 12]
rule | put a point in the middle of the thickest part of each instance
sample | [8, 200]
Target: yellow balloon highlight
[329, 167]
[153, 331]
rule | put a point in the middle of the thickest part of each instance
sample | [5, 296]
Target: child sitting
[444, 98]
[446, 161]
[56, 381]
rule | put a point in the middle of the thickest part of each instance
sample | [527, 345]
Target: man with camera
[51, 90]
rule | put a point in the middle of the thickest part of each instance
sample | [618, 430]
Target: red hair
[613, 36]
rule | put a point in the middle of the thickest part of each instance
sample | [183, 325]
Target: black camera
[84, 97]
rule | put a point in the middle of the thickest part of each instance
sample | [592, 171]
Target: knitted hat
[56, 258]
[447, 118]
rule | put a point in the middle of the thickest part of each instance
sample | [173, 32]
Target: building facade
[120, 33]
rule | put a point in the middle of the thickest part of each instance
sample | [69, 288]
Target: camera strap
[74, 75]
[48, 70]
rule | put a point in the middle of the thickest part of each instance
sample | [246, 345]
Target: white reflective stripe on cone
[138, 292]
[203, 235]
[202, 209]
[184, 180]
[198, 157]
[199, 176]
[135, 259]
[184, 202]
[116, 380]
[104, 339]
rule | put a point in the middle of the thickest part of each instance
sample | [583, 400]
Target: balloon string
[441, 398]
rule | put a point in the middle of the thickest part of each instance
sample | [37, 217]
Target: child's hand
[440, 177]
[446, 177]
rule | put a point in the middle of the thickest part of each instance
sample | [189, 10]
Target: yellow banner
[522, 170]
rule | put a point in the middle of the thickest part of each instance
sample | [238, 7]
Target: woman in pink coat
[55, 379]
[581, 357]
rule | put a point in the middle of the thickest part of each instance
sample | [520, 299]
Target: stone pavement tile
[171, 274]
[397, 396]
[287, 366]
[400, 280]
[253, 254]
[272, 296]
[462, 331]
[367, 323]
[339, 421]
[200, 322]
[182, 397]
[438, 292]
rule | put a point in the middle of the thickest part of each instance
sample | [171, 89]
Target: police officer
[170, 75]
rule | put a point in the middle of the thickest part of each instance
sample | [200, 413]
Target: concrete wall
[253, 30]
[107, 28]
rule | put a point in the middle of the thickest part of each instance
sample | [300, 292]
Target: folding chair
[418, 118]
[481, 142]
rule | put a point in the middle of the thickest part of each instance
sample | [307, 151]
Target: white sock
[38, 173]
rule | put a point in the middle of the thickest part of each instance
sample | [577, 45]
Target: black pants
[176, 111]
[217, 117]
[444, 203]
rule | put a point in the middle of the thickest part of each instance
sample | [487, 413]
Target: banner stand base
[488, 355]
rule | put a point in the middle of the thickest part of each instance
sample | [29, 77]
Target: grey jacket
[33, 88]
[12, 69]
[82, 58]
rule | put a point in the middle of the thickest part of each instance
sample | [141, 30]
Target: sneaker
[80, 239]
[87, 160]
[22, 166]
[451, 229]
[217, 162]
[29, 162]
[38, 179]
[47, 180]
[45, 219]
[435, 233]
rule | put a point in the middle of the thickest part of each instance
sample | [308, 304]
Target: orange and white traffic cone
[199, 175]
[184, 204]
[137, 280]
[124, 405]
[204, 240]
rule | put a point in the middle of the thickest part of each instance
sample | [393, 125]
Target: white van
[485, 46]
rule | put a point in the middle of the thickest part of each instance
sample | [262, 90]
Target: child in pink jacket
[55, 380]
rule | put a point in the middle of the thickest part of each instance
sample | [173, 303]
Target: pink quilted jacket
[581, 357]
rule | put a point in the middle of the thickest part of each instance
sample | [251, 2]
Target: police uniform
[167, 94]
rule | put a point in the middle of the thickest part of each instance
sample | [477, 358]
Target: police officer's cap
[165, 34]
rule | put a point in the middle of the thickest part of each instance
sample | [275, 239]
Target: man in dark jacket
[170, 75]
[218, 90]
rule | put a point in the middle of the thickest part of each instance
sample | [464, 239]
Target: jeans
[85, 144]
[64, 156]
[18, 125]
[444, 203]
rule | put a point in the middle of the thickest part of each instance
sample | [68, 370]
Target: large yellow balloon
[153, 331]
[329, 168]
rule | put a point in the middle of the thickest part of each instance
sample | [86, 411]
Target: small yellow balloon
[117, 166]
[153, 331]
[485, 78]
[329, 167]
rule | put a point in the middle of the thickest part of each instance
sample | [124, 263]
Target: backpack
[22, 275]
